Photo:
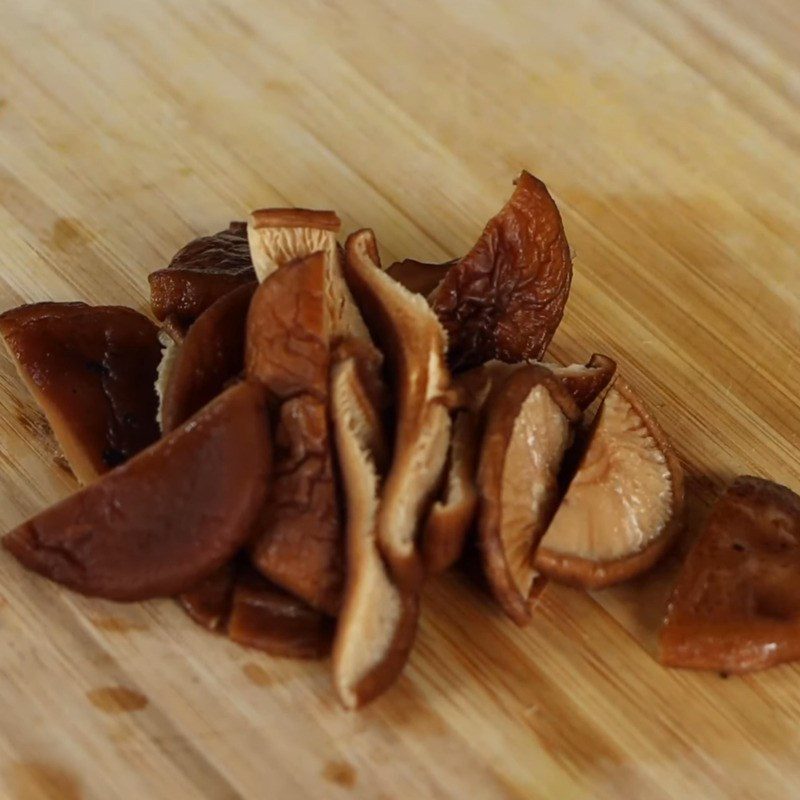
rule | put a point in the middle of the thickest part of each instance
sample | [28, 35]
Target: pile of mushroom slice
[331, 438]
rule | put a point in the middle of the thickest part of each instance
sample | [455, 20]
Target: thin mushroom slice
[378, 620]
[506, 297]
[266, 617]
[586, 382]
[736, 605]
[414, 345]
[624, 505]
[529, 424]
[208, 602]
[452, 515]
[299, 544]
[92, 370]
[199, 274]
[210, 356]
[165, 520]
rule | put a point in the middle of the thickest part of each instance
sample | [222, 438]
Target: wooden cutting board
[669, 131]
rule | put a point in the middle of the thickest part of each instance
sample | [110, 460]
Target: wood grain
[669, 131]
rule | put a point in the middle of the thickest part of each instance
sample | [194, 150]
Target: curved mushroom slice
[91, 369]
[199, 274]
[166, 519]
[529, 423]
[414, 345]
[586, 382]
[452, 515]
[505, 298]
[287, 350]
[378, 620]
[736, 606]
[211, 354]
[623, 506]
[208, 603]
[280, 235]
[267, 618]
[419, 277]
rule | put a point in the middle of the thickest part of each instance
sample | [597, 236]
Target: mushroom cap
[165, 520]
[624, 504]
[736, 604]
[529, 422]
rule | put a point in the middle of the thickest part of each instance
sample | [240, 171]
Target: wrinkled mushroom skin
[199, 274]
[506, 297]
[736, 605]
[267, 618]
[208, 603]
[165, 520]
[414, 345]
[514, 513]
[623, 507]
[300, 543]
[92, 371]
[378, 620]
[211, 354]
[417, 276]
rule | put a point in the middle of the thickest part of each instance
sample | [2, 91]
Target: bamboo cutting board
[669, 131]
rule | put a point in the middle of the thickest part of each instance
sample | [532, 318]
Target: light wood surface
[669, 132]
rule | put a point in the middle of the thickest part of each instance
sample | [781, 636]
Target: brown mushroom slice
[208, 603]
[166, 519]
[586, 382]
[199, 274]
[419, 277]
[91, 369]
[211, 355]
[414, 344]
[736, 605]
[529, 424]
[267, 618]
[623, 506]
[280, 235]
[506, 297]
[378, 620]
[452, 515]
[300, 544]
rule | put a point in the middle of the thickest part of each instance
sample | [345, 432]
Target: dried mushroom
[211, 354]
[91, 369]
[414, 345]
[299, 546]
[585, 382]
[199, 274]
[623, 506]
[452, 515]
[267, 618]
[529, 426]
[378, 620]
[419, 277]
[736, 606]
[506, 297]
[208, 603]
[166, 519]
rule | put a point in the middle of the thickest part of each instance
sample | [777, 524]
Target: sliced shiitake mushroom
[378, 620]
[91, 369]
[414, 344]
[585, 382]
[208, 602]
[266, 617]
[419, 277]
[624, 505]
[505, 298]
[163, 521]
[530, 418]
[736, 605]
[199, 274]
[211, 354]
[300, 545]
[452, 515]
